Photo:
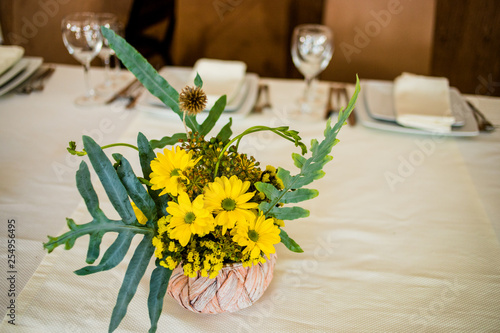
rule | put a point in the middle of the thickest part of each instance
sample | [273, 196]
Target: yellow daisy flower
[227, 198]
[189, 218]
[258, 235]
[168, 170]
[141, 218]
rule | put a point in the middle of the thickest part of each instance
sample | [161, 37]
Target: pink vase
[234, 288]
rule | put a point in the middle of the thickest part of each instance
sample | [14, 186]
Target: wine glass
[109, 21]
[312, 49]
[82, 37]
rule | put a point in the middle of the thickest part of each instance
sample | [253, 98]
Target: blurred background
[378, 39]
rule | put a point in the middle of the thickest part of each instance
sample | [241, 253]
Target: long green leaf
[301, 194]
[148, 76]
[113, 255]
[157, 288]
[146, 155]
[289, 243]
[116, 192]
[133, 275]
[213, 116]
[134, 188]
[289, 213]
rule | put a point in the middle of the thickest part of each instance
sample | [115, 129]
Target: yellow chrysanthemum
[228, 199]
[168, 170]
[258, 235]
[189, 218]
[141, 218]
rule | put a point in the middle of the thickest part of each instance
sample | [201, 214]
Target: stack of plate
[376, 109]
[14, 68]
[219, 78]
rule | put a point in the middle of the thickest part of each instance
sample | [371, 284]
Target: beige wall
[36, 24]
[379, 38]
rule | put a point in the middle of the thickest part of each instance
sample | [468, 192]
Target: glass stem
[86, 76]
[107, 78]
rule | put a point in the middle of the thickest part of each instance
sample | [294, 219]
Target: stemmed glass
[82, 37]
[312, 49]
[110, 21]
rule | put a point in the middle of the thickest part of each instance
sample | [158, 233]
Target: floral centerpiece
[204, 210]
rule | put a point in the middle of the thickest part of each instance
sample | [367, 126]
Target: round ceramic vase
[234, 288]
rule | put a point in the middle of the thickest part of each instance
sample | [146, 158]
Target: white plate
[178, 78]
[32, 64]
[17, 68]
[377, 93]
[241, 105]
[375, 108]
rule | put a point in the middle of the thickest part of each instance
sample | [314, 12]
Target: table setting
[212, 199]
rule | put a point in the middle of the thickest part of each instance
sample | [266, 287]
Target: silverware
[124, 92]
[36, 81]
[483, 124]
[134, 97]
[263, 92]
[329, 110]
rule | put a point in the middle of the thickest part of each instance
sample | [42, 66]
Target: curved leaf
[157, 288]
[213, 116]
[133, 275]
[147, 75]
[107, 175]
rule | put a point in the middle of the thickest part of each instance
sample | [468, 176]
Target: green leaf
[147, 75]
[289, 243]
[135, 189]
[225, 133]
[133, 275]
[310, 170]
[116, 192]
[168, 140]
[288, 213]
[113, 255]
[198, 81]
[268, 189]
[157, 288]
[301, 194]
[146, 155]
[84, 186]
[213, 116]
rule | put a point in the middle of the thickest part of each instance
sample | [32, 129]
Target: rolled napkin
[423, 102]
[220, 77]
[9, 55]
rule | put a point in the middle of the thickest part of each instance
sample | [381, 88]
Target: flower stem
[120, 144]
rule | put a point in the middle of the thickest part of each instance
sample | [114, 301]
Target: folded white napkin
[423, 102]
[9, 55]
[220, 77]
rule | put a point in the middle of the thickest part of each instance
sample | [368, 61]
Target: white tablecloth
[401, 238]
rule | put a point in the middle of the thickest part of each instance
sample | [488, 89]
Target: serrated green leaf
[157, 288]
[116, 192]
[147, 75]
[135, 189]
[168, 140]
[298, 160]
[299, 195]
[198, 81]
[213, 116]
[226, 132]
[310, 168]
[113, 255]
[133, 275]
[290, 243]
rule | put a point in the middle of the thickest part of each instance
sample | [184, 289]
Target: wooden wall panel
[467, 45]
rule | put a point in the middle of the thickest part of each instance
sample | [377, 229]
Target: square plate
[375, 109]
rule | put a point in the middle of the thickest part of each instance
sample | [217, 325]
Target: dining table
[404, 235]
